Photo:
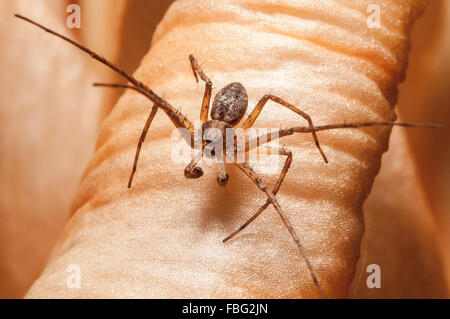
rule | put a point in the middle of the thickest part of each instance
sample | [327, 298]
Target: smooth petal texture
[405, 215]
[424, 97]
[401, 233]
[50, 115]
[163, 238]
[122, 30]
[48, 127]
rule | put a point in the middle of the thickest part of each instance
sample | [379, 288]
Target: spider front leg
[252, 143]
[177, 118]
[263, 101]
[141, 140]
[286, 166]
[246, 168]
[197, 70]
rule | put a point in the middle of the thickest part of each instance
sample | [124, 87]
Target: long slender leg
[286, 166]
[176, 117]
[188, 137]
[263, 101]
[263, 139]
[144, 131]
[141, 140]
[197, 70]
[271, 197]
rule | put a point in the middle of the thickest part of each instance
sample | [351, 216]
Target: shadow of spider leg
[248, 170]
[263, 101]
[286, 166]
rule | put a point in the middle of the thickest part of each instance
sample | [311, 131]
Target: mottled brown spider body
[218, 135]
[228, 109]
[214, 133]
[230, 104]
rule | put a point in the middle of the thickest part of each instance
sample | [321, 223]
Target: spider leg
[176, 117]
[141, 140]
[263, 101]
[223, 177]
[286, 166]
[197, 70]
[144, 131]
[246, 168]
[191, 171]
[263, 139]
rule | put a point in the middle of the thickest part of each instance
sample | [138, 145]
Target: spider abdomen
[230, 104]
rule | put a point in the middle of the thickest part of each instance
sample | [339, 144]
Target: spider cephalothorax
[228, 109]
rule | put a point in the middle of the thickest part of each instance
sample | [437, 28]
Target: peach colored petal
[163, 238]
